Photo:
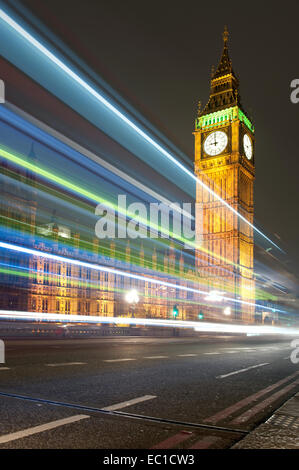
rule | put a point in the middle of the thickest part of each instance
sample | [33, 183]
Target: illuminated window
[46, 273]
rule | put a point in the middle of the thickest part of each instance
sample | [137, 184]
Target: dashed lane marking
[125, 404]
[187, 355]
[37, 429]
[155, 357]
[119, 360]
[242, 370]
[62, 364]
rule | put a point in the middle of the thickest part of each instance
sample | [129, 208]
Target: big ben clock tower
[224, 162]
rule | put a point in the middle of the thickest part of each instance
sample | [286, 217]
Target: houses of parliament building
[222, 261]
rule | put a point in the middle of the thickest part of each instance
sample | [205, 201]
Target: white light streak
[13, 24]
[117, 272]
[202, 326]
[214, 296]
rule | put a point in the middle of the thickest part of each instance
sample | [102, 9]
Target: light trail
[94, 157]
[34, 42]
[44, 173]
[197, 326]
[117, 272]
[156, 270]
[66, 184]
[27, 273]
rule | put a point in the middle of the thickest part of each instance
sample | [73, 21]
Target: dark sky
[159, 54]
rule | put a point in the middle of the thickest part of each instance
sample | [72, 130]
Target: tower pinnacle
[225, 35]
[224, 83]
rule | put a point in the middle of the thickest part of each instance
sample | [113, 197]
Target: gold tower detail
[224, 162]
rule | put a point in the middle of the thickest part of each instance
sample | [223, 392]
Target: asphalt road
[132, 393]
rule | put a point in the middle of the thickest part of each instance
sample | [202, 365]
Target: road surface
[134, 392]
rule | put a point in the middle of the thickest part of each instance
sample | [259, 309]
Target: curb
[280, 431]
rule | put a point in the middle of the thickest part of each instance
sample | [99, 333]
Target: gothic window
[68, 275]
[45, 305]
[46, 273]
[59, 275]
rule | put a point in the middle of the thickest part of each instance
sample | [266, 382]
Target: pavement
[143, 393]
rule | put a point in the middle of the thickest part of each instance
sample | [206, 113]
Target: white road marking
[4, 368]
[187, 355]
[242, 370]
[37, 429]
[119, 360]
[58, 364]
[208, 354]
[230, 352]
[239, 349]
[124, 404]
[249, 350]
[155, 357]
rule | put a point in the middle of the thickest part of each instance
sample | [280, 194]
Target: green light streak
[84, 284]
[95, 197]
[90, 195]
[84, 192]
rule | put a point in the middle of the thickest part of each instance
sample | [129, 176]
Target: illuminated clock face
[247, 144]
[215, 143]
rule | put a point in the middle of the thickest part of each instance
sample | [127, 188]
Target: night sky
[159, 55]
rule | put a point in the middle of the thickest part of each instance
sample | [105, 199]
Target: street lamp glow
[132, 296]
[214, 296]
[227, 311]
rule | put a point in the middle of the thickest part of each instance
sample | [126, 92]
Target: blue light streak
[62, 66]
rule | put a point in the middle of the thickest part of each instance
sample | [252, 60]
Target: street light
[132, 298]
[214, 296]
[227, 311]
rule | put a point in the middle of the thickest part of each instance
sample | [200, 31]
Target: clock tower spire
[224, 83]
[224, 162]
